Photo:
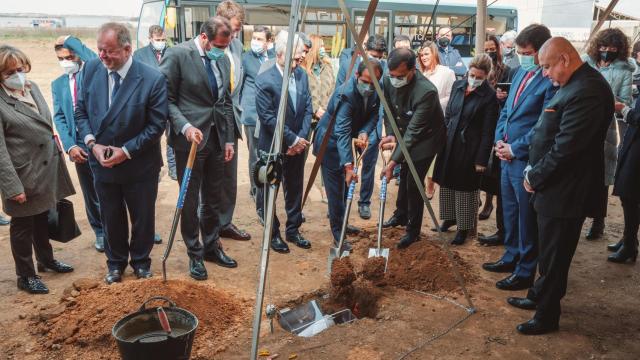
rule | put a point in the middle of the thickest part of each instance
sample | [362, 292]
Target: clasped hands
[503, 151]
[109, 156]
[298, 148]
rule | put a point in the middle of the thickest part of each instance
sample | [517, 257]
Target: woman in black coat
[627, 187]
[471, 118]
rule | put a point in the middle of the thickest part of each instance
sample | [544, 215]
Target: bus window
[414, 26]
[194, 17]
[150, 14]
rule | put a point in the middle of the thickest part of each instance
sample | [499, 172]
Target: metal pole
[272, 190]
[481, 27]
[602, 18]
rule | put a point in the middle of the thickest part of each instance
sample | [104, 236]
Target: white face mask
[158, 45]
[69, 67]
[398, 82]
[257, 46]
[474, 83]
[16, 81]
[270, 46]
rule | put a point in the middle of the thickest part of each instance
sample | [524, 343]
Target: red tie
[75, 90]
[158, 56]
[522, 86]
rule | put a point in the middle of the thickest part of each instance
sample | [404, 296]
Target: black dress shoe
[197, 270]
[352, 230]
[32, 285]
[522, 303]
[460, 238]
[278, 245]
[232, 232]
[55, 266]
[142, 273]
[218, 256]
[299, 240]
[514, 282]
[157, 239]
[445, 225]
[624, 254]
[486, 212]
[4, 221]
[346, 245]
[536, 327]
[496, 239]
[99, 245]
[597, 229]
[364, 211]
[113, 276]
[406, 240]
[499, 267]
[615, 247]
[394, 221]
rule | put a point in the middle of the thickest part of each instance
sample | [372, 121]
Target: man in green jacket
[416, 109]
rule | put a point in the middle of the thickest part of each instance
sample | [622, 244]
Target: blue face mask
[365, 89]
[528, 62]
[215, 53]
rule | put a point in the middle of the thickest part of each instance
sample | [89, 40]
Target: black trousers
[91, 204]
[409, 204]
[557, 242]
[119, 204]
[201, 211]
[631, 212]
[27, 232]
[292, 184]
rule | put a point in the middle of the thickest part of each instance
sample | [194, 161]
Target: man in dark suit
[416, 109]
[72, 54]
[251, 62]
[531, 92]
[120, 114]
[233, 12]
[296, 130]
[201, 111]
[152, 55]
[566, 166]
[356, 108]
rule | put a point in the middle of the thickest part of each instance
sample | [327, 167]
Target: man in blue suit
[529, 95]
[251, 62]
[375, 47]
[449, 56]
[296, 130]
[356, 108]
[121, 113]
[72, 55]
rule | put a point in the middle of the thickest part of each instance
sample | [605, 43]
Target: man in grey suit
[235, 14]
[201, 111]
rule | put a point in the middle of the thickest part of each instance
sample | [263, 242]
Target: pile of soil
[422, 266]
[373, 269]
[359, 295]
[79, 327]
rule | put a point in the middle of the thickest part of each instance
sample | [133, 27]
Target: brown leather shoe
[232, 232]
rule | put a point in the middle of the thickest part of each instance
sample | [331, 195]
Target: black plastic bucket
[141, 336]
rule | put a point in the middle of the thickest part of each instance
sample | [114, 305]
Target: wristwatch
[90, 145]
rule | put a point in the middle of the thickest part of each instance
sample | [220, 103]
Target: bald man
[566, 165]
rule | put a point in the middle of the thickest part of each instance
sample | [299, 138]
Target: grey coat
[30, 161]
[619, 75]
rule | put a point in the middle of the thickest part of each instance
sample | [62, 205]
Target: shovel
[176, 216]
[335, 253]
[379, 251]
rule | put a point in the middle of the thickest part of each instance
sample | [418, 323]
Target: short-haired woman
[608, 52]
[33, 174]
[471, 118]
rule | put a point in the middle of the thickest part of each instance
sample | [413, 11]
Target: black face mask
[493, 55]
[608, 56]
[443, 42]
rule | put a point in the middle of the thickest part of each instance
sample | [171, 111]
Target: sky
[132, 7]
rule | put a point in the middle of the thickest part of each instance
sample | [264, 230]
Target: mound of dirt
[373, 269]
[80, 327]
[342, 273]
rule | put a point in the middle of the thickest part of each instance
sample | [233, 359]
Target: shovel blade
[383, 252]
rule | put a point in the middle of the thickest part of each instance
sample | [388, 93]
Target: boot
[488, 208]
[461, 236]
[616, 246]
[597, 229]
[445, 225]
[628, 251]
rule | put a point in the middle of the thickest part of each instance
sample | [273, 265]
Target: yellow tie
[230, 56]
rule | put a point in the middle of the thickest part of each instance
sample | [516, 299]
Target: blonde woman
[321, 78]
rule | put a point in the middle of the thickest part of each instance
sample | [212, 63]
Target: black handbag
[62, 222]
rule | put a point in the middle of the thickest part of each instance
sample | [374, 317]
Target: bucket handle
[144, 304]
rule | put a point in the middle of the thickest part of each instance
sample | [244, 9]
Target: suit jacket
[251, 65]
[628, 170]
[136, 119]
[567, 147]
[191, 100]
[517, 122]
[297, 123]
[417, 112]
[63, 99]
[147, 55]
[352, 119]
[471, 124]
[30, 161]
[235, 49]
[451, 57]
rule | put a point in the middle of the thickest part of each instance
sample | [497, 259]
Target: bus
[182, 19]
